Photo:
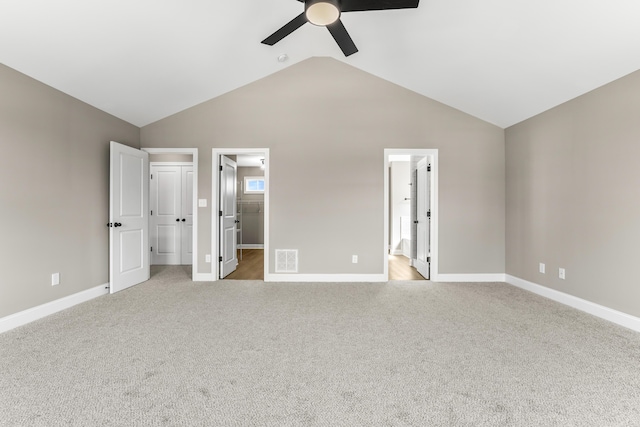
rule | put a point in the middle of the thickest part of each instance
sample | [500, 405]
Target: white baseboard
[325, 278]
[203, 277]
[497, 277]
[618, 317]
[251, 246]
[27, 316]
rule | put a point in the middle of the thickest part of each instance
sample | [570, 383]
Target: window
[253, 184]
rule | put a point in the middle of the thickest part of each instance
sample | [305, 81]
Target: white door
[423, 218]
[228, 217]
[171, 219]
[186, 232]
[128, 217]
[166, 205]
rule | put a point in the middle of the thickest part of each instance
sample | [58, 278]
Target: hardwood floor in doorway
[250, 267]
[399, 269]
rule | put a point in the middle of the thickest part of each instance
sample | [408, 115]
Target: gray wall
[170, 157]
[326, 124]
[54, 188]
[573, 196]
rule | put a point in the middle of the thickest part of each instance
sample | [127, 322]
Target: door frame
[195, 276]
[215, 204]
[433, 153]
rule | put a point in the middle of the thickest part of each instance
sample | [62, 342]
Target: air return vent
[286, 260]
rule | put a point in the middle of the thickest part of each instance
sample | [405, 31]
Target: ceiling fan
[326, 13]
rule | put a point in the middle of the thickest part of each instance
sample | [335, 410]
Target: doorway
[171, 210]
[411, 214]
[241, 210]
[173, 220]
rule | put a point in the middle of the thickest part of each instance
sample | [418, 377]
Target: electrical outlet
[354, 259]
[55, 279]
[542, 267]
[207, 258]
[561, 273]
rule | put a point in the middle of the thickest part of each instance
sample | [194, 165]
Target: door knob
[183, 220]
[177, 219]
[117, 224]
[237, 221]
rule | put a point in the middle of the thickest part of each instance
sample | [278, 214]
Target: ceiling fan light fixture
[322, 12]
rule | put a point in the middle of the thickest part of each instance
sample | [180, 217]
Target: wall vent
[286, 260]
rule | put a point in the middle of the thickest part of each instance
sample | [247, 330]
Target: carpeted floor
[237, 353]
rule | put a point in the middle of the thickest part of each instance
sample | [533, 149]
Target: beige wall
[170, 157]
[573, 196]
[326, 125]
[54, 187]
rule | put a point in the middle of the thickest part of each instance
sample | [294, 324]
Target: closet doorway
[241, 194]
[181, 157]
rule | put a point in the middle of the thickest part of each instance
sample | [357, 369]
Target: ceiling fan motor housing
[322, 12]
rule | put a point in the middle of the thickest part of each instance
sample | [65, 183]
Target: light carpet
[239, 353]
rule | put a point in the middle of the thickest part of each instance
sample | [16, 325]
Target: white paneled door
[228, 217]
[423, 217]
[171, 214]
[128, 217]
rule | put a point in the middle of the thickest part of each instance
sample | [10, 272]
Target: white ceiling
[500, 60]
[249, 161]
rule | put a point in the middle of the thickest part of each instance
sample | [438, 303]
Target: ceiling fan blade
[287, 29]
[362, 5]
[342, 37]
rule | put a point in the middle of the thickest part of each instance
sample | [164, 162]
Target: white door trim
[215, 204]
[434, 205]
[195, 276]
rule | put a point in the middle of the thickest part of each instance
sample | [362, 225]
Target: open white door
[128, 217]
[423, 217]
[228, 217]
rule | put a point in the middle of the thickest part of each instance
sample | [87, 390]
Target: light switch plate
[202, 203]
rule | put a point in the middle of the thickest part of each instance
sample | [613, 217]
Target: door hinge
[151, 213]
[428, 259]
[220, 168]
[429, 213]
[220, 213]
[428, 168]
[220, 259]
[151, 248]
[151, 176]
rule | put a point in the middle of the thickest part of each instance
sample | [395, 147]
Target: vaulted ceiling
[500, 60]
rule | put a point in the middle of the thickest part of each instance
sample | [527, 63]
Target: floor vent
[286, 260]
